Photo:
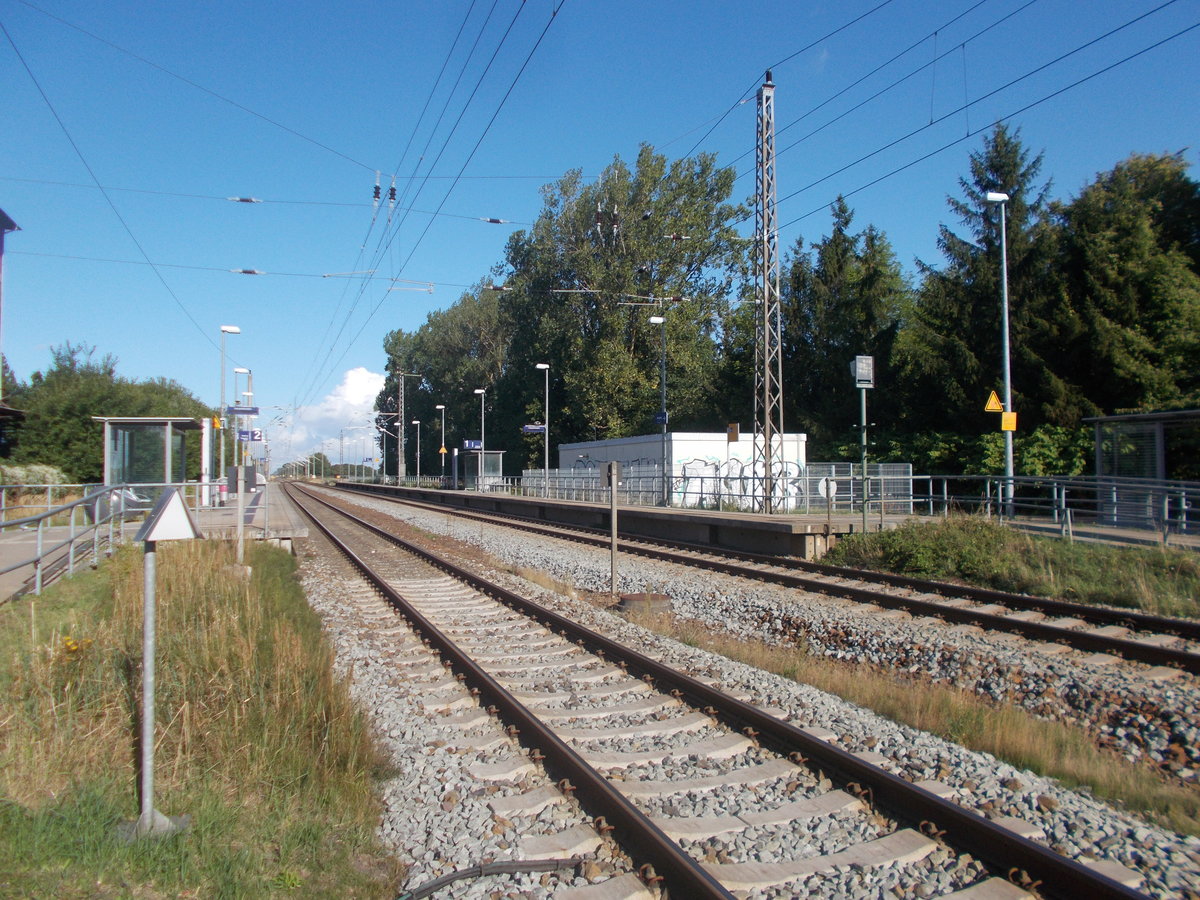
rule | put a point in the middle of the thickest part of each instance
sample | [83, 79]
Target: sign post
[170, 520]
[863, 368]
[612, 474]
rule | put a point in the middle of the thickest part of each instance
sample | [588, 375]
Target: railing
[1066, 502]
[104, 512]
[80, 528]
[1168, 507]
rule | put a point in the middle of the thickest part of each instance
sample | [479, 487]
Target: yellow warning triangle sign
[993, 403]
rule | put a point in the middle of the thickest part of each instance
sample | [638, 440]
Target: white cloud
[339, 415]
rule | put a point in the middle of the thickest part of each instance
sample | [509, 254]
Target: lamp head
[657, 320]
[995, 197]
[230, 329]
[440, 406]
[480, 391]
[541, 365]
[241, 370]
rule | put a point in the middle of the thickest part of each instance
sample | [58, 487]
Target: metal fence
[71, 531]
[74, 531]
[1067, 501]
[817, 488]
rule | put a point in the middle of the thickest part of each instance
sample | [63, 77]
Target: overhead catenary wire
[319, 371]
[470, 156]
[108, 199]
[754, 87]
[990, 94]
[198, 86]
[995, 122]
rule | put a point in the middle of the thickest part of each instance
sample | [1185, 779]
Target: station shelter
[152, 450]
[477, 469]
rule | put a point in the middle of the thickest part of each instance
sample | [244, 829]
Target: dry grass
[256, 738]
[1061, 751]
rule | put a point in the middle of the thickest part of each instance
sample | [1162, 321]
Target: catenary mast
[768, 354]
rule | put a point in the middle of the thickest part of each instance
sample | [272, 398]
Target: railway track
[1131, 635]
[705, 792]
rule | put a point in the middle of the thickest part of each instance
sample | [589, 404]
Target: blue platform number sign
[250, 435]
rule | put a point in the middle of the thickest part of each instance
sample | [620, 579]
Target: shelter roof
[180, 423]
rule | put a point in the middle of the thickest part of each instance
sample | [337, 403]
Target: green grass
[256, 739]
[982, 552]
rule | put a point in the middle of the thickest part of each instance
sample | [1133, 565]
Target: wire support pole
[768, 368]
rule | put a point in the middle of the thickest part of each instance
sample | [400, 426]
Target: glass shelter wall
[138, 454]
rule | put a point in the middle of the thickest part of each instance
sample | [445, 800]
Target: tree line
[58, 404]
[1104, 305]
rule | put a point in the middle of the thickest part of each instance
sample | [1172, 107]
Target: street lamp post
[225, 329]
[417, 422]
[1001, 200]
[545, 367]
[661, 322]
[482, 393]
[442, 451]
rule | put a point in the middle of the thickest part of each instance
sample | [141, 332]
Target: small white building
[704, 469]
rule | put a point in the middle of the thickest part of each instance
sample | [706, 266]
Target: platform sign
[863, 369]
[472, 445]
[533, 429]
[660, 417]
[241, 410]
[250, 436]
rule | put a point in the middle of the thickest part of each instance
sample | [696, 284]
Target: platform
[807, 537]
[790, 534]
[278, 519]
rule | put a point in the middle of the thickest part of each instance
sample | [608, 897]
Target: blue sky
[173, 107]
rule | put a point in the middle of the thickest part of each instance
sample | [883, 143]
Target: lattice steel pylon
[768, 343]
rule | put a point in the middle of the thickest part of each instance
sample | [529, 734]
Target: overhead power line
[992, 93]
[995, 122]
[116, 212]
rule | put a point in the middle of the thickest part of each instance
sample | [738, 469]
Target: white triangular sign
[170, 520]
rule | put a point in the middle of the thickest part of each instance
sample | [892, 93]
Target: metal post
[241, 505]
[866, 485]
[71, 544]
[1008, 435]
[482, 392]
[442, 445]
[614, 470]
[37, 569]
[221, 460]
[417, 422]
[145, 821]
[545, 367]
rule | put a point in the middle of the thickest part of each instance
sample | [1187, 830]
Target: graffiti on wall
[735, 483]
